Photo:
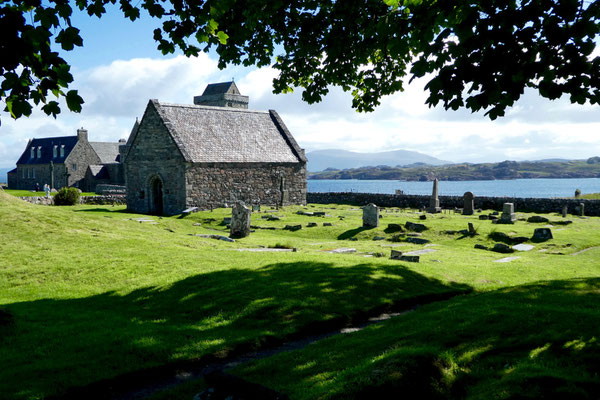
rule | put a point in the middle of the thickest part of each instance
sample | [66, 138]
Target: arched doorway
[156, 197]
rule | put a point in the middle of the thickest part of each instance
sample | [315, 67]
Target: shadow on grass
[351, 233]
[105, 210]
[536, 341]
[72, 342]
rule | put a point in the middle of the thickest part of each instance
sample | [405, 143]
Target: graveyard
[443, 304]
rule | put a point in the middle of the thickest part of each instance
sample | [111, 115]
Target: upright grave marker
[240, 220]
[468, 199]
[370, 216]
[508, 214]
[434, 201]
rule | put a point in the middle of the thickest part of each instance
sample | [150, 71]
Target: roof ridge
[229, 109]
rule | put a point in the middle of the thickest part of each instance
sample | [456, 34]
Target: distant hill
[589, 168]
[3, 172]
[320, 160]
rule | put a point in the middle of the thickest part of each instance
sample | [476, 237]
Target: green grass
[530, 341]
[30, 193]
[590, 196]
[88, 292]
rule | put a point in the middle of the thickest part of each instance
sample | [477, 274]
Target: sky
[119, 69]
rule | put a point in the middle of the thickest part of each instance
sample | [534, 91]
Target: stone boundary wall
[99, 200]
[105, 199]
[103, 189]
[537, 205]
[38, 200]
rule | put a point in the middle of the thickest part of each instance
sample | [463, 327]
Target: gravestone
[434, 201]
[508, 214]
[370, 216]
[564, 211]
[240, 220]
[541, 235]
[469, 203]
[581, 209]
[472, 230]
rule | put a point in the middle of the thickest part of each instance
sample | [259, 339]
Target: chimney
[82, 134]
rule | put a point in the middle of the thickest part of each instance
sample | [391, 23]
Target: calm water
[510, 188]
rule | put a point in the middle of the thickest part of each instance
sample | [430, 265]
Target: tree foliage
[479, 55]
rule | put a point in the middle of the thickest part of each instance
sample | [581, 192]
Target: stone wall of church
[211, 185]
[154, 155]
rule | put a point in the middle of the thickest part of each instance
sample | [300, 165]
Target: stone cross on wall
[434, 201]
[240, 220]
[370, 216]
[469, 203]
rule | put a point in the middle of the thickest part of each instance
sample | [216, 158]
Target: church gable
[152, 141]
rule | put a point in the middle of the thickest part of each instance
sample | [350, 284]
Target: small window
[62, 150]
[28, 173]
[33, 173]
[54, 151]
[33, 152]
[39, 152]
[74, 167]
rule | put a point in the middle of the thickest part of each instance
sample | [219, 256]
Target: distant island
[589, 168]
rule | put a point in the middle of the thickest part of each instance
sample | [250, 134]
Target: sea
[537, 188]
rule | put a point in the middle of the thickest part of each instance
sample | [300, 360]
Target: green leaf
[52, 108]
[74, 101]
[222, 37]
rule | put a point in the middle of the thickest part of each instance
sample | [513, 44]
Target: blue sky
[119, 69]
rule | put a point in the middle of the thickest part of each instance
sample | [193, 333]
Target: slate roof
[107, 151]
[222, 134]
[47, 145]
[220, 88]
[99, 171]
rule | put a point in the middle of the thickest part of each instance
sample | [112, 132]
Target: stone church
[211, 154]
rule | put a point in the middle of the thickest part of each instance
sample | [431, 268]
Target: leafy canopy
[480, 55]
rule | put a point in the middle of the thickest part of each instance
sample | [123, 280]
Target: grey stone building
[182, 156]
[64, 161]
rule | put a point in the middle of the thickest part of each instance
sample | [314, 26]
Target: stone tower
[224, 94]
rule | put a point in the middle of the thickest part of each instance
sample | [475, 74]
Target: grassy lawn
[89, 292]
[31, 193]
[590, 196]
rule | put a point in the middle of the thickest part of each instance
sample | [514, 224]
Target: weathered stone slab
[370, 216]
[416, 240]
[397, 255]
[523, 247]
[342, 250]
[484, 217]
[481, 247]
[217, 237]
[507, 259]
[538, 219]
[268, 250]
[190, 210]
[292, 227]
[240, 220]
[378, 238]
[419, 252]
[311, 224]
[327, 224]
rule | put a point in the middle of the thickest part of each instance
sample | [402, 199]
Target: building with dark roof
[64, 161]
[182, 156]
